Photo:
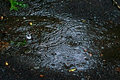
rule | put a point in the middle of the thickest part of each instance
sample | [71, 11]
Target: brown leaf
[101, 54]
[3, 45]
[117, 69]
[41, 75]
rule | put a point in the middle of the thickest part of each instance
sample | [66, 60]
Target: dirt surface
[60, 40]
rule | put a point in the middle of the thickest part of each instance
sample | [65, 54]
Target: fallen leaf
[3, 45]
[1, 17]
[30, 23]
[83, 21]
[71, 70]
[117, 69]
[41, 75]
[6, 63]
[101, 55]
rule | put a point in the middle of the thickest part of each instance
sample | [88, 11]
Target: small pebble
[24, 17]
[90, 54]
[85, 50]
[36, 67]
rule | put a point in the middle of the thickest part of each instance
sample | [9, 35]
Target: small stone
[85, 50]
[24, 17]
[36, 67]
[90, 54]
[104, 60]
[102, 47]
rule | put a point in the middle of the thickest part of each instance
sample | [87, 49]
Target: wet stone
[36, 67]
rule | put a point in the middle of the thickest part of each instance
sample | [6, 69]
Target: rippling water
[60, 44]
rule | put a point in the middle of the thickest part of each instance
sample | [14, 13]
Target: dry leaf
[41, 75]
[3, 45]
[6, 63]
[117, 69]
[71, 70]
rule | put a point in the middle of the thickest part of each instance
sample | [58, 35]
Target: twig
[116, 3]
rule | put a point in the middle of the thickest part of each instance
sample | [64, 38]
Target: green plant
[14, 3]
[22, 43]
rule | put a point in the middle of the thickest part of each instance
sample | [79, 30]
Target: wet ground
[60, 40]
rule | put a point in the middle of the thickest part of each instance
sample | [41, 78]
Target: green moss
[14, 5]
[22, 43]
